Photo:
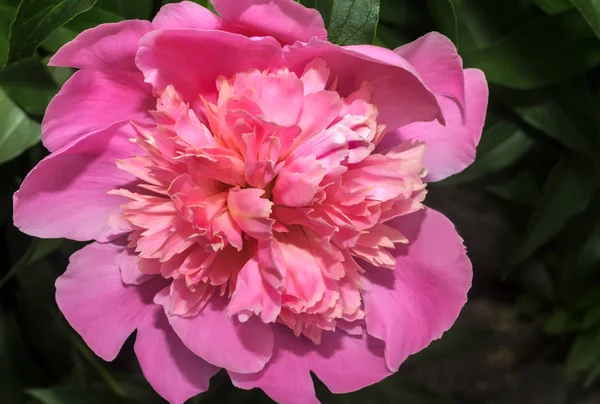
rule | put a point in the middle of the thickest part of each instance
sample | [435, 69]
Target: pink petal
[186, 302]
[411, 306]
[250, 211]
[344, 363]
[97, 304]
[253, 295]
[192, 131]
[451, 148]
[186, 14]
[395, 82]
[92, 100]
[330, 147]
[275, 88]
[348, 363]
[270, 260]
[220, 164]
[130, 272]
[228, 228]
[315, 76]
[287, 21]
[439, 65]
[305, 281]
[319, 110]
[286, 378]
[223, 341]
[191, 60]
[298, 182]
[109, 47]
[172, 369]
[66, 194]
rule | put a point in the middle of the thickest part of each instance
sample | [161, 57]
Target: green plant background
[528, 208]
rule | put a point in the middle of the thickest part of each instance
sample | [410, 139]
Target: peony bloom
[254, 195]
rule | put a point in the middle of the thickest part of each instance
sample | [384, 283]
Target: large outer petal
[172, 369]
[186, 14]
[344, 363]
[223, 341]
[286, 378]
[450, 148]
[92, 100]
[285, 20]
[97, 304]
[347, 363]
[66, 194]
[439, 65]
[421, 298]
[397, 91]
[191, 60]
[109, 47]
[108, 89]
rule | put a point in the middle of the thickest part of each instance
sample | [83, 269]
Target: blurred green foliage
[539, 156]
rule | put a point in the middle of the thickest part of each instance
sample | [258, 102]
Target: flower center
[266, 193]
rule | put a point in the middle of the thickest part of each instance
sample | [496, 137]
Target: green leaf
[584, 299]
[483, 23]
[568, 191]
[38, 249]
[546, 115]
[590, 9]
[445, 14]
[29, 84]
[591, 318]
[17, 131]
[408, 391]
[37, 19]
[407, 16]
[7, 15]
[88, 356]
[58, 38]
[136, 386]
[585, 352]
[560, 322]
[16, 364]
[591, 378]
[501, 146]
[353, 22]
[457, 340]
[578, 101]
[60, 75]
[544, 52]
[45, 332]
[521, 188]
[564, 112]
[203, 3]
[394, 389]
[71, 396]
[322, 6]
[580, 242]
[476, 26]
[90, 19]
[552, 6]
[389, 37]
[128, 9]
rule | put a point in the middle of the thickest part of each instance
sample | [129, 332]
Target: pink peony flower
[255, 196]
